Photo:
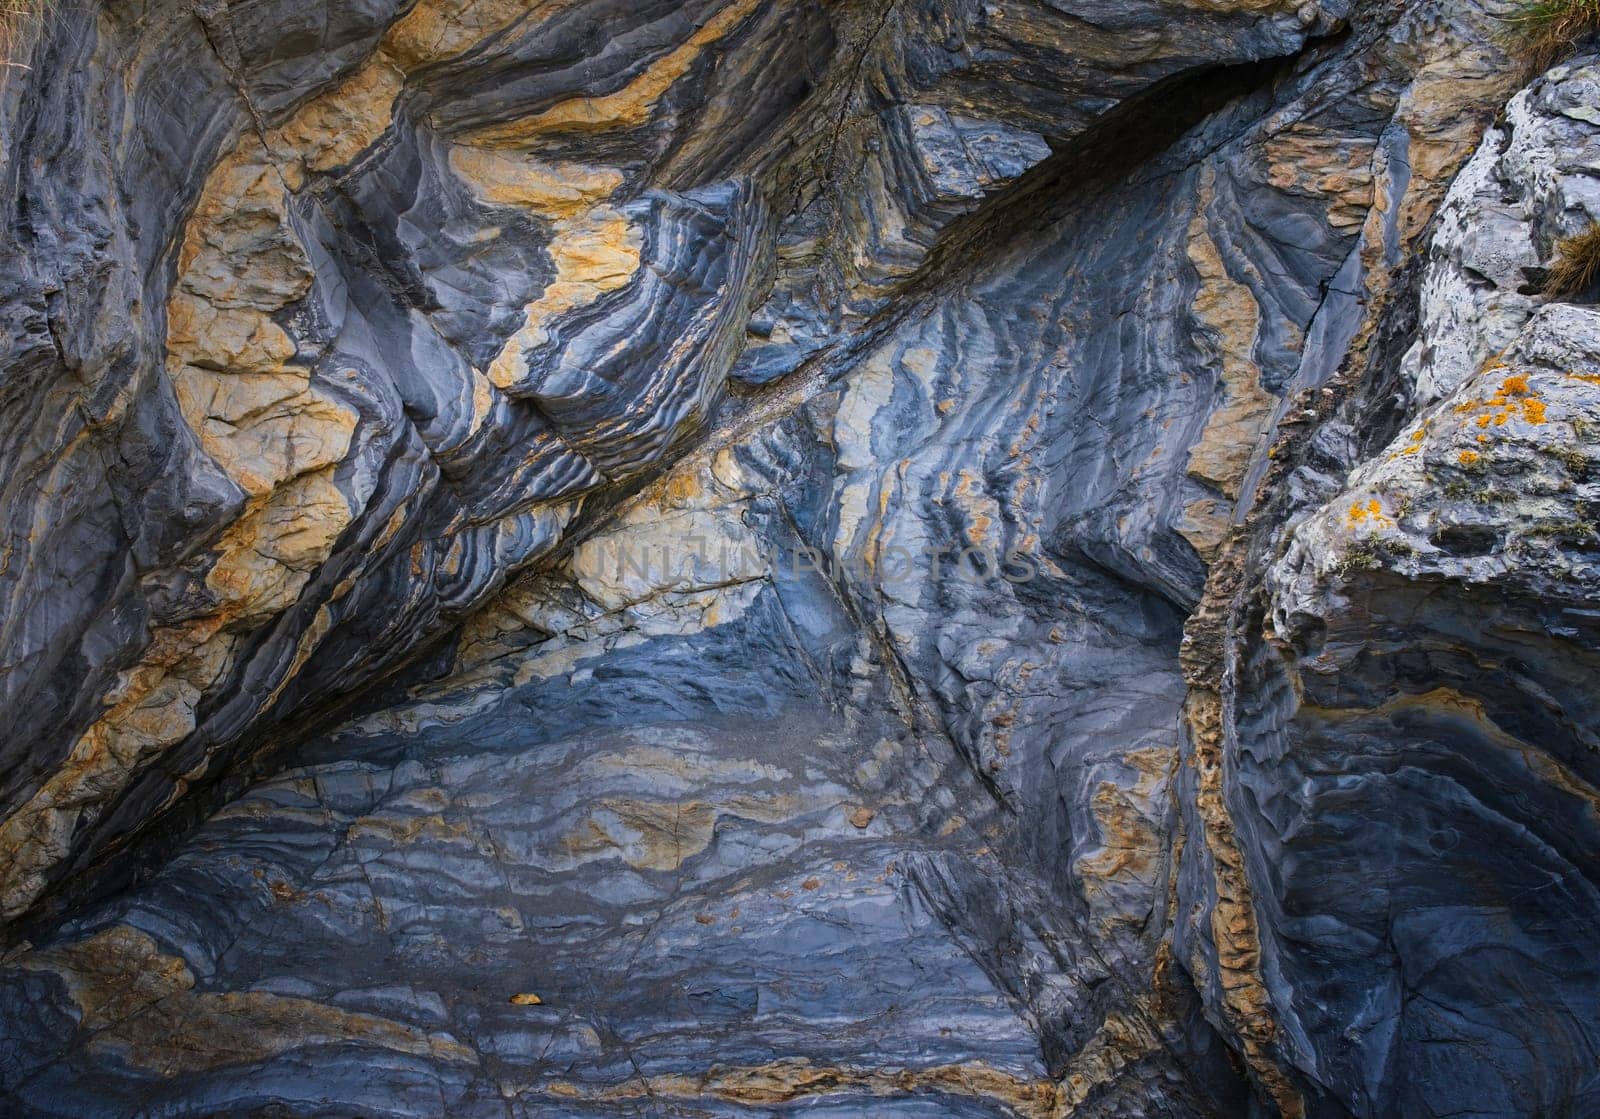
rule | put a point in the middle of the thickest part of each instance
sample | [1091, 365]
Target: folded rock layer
[749, 557]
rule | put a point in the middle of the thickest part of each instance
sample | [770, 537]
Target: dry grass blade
[1577, 264]
[1547, 30]
[18, 18]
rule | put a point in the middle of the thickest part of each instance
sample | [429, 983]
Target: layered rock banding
[755, 556]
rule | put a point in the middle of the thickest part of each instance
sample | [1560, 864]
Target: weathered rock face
[1427, 802]
[752, 556]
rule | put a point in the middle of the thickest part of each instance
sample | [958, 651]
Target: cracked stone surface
[765, 557]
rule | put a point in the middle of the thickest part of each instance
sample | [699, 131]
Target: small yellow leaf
[526, 999]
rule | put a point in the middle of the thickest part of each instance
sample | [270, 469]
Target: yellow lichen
[1369, 514]
[1516, 398]
[1413, 444]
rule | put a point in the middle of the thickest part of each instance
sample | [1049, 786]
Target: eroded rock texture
[751, 557]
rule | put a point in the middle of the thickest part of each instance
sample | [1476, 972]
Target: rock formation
[748, 557]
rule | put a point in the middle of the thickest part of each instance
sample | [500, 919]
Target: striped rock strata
[754, 556]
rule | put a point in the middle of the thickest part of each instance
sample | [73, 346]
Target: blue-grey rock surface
[763, 557]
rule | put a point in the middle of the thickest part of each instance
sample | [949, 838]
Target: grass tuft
[17, 21]
[1576, 268]
[1546, 31]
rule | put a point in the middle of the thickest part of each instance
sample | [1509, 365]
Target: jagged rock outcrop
[1409, 718]
[744, 556]
[1530, 185]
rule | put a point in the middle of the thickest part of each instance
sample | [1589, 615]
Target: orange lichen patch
[1515, 399]
[1368, 514]
[525, 998]
[1413, 444]
[1468, 458]
[140, 1006]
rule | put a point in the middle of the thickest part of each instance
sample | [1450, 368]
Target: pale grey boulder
[1532, 183]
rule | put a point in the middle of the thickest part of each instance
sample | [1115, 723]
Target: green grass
[1546, 31]
[1576, 268]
